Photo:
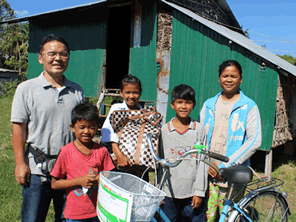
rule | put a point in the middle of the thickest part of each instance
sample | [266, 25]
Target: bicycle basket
[125, 197]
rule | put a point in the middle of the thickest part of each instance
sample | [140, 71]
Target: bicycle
[251, 208]
[263, 202]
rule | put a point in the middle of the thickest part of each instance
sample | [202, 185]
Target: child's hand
[97, 179]
[123, 161]
[87, 181]
[196, 202]
[212, 172]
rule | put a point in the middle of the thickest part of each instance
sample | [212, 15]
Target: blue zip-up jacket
[244, 128]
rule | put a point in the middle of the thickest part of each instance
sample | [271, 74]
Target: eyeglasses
[63, 55]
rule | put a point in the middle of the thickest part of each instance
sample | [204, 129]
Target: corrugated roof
[54, 11]
[232, 35]
[239, 39]
[223, 4]
[8, 70]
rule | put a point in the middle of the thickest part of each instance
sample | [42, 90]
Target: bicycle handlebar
[218, 156]
[199, 148]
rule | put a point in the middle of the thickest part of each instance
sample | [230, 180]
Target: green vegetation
[287, 173]
[14, 42]
[289, 59]
[10, 191]
[8, 88]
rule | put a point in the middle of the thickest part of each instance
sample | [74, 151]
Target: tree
[6, 12]
[289, 59]
[15, 44]
[14, 41]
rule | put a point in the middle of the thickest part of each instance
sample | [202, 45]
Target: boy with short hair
[186, 184]
[79, 164]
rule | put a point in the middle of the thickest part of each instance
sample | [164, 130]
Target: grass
[10, 190]
[287, 173]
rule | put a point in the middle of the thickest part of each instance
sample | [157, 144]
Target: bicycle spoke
[266, 207]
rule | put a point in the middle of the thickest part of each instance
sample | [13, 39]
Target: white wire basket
[125, 197]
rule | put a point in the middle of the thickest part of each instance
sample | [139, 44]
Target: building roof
[224, 5]
[23, 19]
[8, 70]
[284, 66]
[241, 40]
[213, 9]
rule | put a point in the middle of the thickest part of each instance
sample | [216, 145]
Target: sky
[270, 23]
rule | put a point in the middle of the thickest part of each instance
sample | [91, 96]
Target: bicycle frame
[237, 208]
[235, 212]
[198, 148]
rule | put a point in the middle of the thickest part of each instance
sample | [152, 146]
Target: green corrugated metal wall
[143, 59]
[196, 54]
[87, 40]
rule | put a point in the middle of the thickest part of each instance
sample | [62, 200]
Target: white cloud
[21, 13]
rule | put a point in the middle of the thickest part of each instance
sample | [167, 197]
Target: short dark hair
[226, 63]
[85, 111]
[53, 37]
[183, 91]
[129, 79]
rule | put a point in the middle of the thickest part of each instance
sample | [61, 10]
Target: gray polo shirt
[190, 176]
[47, 111]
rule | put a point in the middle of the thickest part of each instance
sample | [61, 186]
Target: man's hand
[22, 170]
[196, 202]
[22, 174]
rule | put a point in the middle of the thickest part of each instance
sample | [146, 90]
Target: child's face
[84, 131]
[182, 107]
[131, 95]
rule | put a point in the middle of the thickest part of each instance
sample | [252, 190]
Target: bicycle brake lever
[199, 146]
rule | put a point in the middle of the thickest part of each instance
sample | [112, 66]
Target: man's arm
[22, 171]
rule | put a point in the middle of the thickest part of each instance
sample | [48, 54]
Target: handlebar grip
[218, 157]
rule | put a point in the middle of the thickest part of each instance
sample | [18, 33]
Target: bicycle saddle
[237, 174]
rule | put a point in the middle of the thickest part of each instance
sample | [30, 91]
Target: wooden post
[268, 163]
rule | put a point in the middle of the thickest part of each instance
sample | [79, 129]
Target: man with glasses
[41, 115]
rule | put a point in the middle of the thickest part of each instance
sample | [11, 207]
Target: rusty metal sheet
[163, 58]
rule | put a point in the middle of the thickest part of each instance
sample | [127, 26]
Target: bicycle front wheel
[265, 206]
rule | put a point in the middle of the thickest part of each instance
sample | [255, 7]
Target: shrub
[8, 88]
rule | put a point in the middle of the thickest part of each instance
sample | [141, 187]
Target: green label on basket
[113, 203]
